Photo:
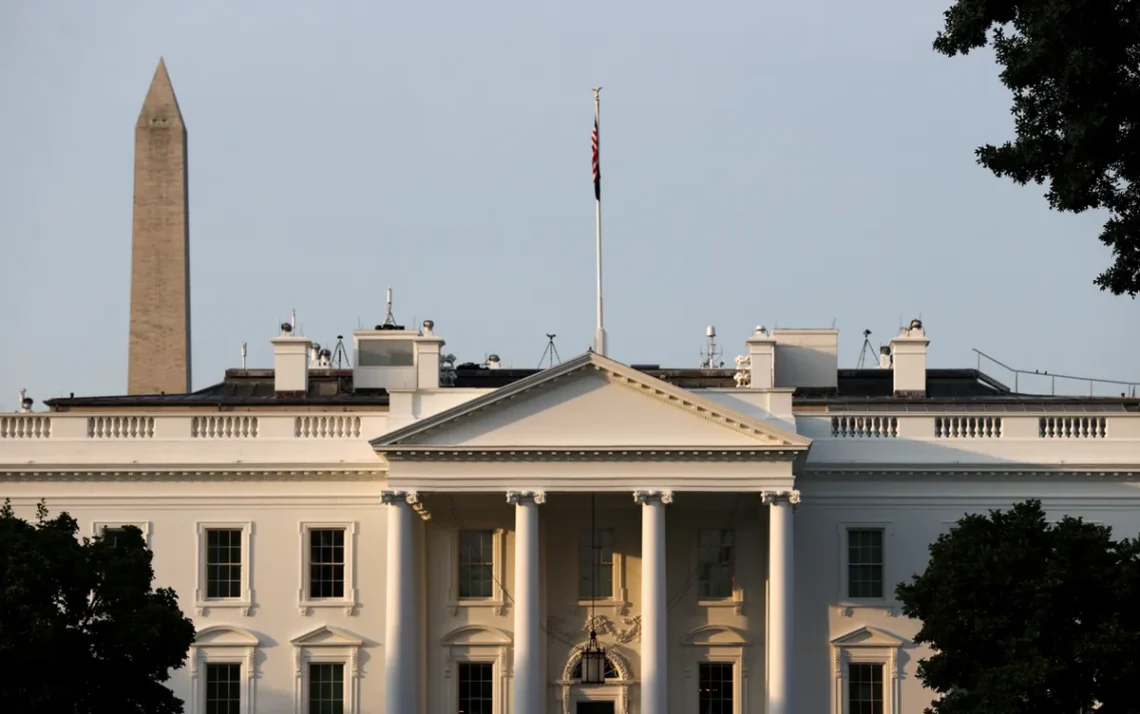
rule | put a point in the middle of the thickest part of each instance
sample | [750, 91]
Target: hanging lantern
[593, 661]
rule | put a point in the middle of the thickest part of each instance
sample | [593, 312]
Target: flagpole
[600, 332]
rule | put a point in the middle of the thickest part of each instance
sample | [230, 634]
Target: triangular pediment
[225, 636]
[590, 402]
[327, 636]
[867, 636]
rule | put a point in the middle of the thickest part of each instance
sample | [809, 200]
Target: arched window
[610, 671]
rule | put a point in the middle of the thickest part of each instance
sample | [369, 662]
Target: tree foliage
[1028, 617]
[81, 629]
[1074, 69]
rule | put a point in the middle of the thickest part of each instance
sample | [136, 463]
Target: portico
[673, 462]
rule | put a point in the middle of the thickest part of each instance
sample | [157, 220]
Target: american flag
[597, 165]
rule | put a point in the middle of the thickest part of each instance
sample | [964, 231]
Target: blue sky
[787, 164]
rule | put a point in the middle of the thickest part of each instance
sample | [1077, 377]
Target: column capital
[650, 497]
[516, 498]
[412, 498]
[777, 497]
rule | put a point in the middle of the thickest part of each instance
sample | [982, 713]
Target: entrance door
[595, 708]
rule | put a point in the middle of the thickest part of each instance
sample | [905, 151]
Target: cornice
[626, 454]
[177, 474]
[966, 472]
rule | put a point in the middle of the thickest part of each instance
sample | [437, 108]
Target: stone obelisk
[160, 252]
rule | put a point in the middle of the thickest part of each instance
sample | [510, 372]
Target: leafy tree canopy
[1028, 617]
[1074, 69]
[81, 629]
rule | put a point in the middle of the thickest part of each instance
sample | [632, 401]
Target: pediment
[327, 636]
[225, 636]
[716, 635]
[473, 635]
[867, 636]
[590, 402]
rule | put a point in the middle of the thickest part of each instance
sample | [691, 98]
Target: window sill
[498, 606]
[725, 602]
[619, 606]
[306, 606]
[203, 607]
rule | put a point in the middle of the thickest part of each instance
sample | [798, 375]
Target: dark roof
[858, 389]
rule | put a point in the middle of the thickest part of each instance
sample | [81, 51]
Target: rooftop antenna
[293, 321]
[389, 319]
[244, 354]
[712, 352]
[867, 350]
[340, 358]
[550, 354]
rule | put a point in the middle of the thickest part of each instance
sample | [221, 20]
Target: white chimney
[290, 361]
[909, 354]
[427, 357]
[884, 357]
[762, 359]
[493, 362]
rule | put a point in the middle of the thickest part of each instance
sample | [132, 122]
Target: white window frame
[223, 644]
[736, 600]
[97, 528]
[326, 645]
[473, 643]
[867, 645]
[244, 603]
[498, 600]
[305, 602]
[619, 597]
[716, 644]
[845, 600]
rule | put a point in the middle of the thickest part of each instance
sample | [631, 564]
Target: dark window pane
[596, 564]
[326, 689]
[326, 563]
[865, 563]
[865, 688]
[716, 565]
[223, 563]
[715, 687]
[476, 687]
[476, 563]
[223, 688]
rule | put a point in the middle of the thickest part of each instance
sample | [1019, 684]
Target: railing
[994, 428]
[1095, 386]
[61, 426]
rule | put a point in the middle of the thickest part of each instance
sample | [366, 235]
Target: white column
[400, 657]
[530, 683]
[654, 611]
[781, 600]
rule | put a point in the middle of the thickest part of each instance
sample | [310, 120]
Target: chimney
[428, 346]
[762, 358]
[290, 362]
[909, 356]
[493, 362]
[884, 357]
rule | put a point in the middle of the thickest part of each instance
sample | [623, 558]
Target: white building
[373, 540]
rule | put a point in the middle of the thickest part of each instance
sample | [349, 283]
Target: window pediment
[475, 636]
[867, 636]
[225, 636]
[327, 636]
[716, 636]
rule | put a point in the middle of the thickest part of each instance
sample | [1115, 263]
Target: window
[111, 529]
[715, 682]
[224, 578]
[326, 563]
[328, 566]
[596, 565]
[476, 564]
[865, 563]
[609, 671]
[716, 564]
[326, 688]
[223, 688]
[865, 689]
[476, 687]
[223, 563]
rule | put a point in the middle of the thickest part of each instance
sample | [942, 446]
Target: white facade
[521, 471]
